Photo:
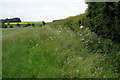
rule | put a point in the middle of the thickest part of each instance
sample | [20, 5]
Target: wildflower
[56, 49]
[81, 27]
[77, 71]
[36, 45]
[99, 42]
[30, 40]
[87, 29]
[59, 31]
[50, 38]
[83, 39]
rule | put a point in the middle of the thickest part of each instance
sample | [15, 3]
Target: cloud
[41, 9]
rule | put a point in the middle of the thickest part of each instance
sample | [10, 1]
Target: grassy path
[55, 52]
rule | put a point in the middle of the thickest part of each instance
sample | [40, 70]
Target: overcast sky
[41, 10]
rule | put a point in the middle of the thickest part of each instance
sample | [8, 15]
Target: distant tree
[8, 23]
[12, 20]
[3, 24]
[33, 25]
[43, 23]
[18, 24]
[6, 20]
[11, 26]
[28, 24]
[16, 19]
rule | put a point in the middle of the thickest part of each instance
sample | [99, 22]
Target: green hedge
[104, 19]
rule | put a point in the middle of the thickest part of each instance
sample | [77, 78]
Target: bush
[5, 26]
[27, 25]
[33, 25]
[11, 26]
[18, 24]
[43, 23]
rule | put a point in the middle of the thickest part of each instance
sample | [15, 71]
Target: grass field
[46, 52]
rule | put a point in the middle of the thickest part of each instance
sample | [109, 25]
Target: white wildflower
[81, 27]
[99, 42]
[77, 71]
[82, 39]
[30, 40]
[59, 31]
[56, 49]
[36, 44]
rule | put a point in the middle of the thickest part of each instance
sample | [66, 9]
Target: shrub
[43, 23]
[18, 24]
[27, 25]
[5, 26]
[33, 25]
[11, 26]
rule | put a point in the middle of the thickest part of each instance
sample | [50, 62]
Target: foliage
[11, 26]
[27, 25]
[3, 24]
[43, 23]
[12, 20]
[18, 24]
[33, 25]
[104, 20]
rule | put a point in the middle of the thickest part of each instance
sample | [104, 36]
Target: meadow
[58, 52]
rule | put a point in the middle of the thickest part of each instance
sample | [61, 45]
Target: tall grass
[58, 53]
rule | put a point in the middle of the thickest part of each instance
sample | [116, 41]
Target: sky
[41, 10]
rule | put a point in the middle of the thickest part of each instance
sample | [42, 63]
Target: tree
[11, 26]
[33, 25]
[3, 24]
[43, 23]
[28, 24]
[12, 20]
[18, 24]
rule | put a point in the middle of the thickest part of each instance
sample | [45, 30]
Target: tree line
[15, 20]
[3, 21]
